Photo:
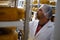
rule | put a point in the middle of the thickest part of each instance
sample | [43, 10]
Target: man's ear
[47, 15]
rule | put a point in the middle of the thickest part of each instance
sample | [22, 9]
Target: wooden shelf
[42, 4]
[18, 24]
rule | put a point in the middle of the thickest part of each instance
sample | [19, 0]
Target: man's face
[40, 14]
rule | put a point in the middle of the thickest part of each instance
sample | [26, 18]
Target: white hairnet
[47, 10]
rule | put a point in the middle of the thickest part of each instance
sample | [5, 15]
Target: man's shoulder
[50, 24]
[33, 22]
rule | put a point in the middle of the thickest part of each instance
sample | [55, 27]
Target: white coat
[44, 34]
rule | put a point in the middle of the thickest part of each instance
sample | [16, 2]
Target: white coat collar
[47, 25]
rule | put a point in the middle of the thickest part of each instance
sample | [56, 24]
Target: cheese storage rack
[22, 25]
[8, 10]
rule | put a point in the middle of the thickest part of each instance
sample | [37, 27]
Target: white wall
[54, 0]
[57, 22]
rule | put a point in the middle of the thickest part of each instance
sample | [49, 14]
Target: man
[42, 29]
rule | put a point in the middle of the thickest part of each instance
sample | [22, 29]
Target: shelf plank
[18, 24]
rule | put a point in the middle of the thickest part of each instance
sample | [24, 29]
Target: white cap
[47, 10]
